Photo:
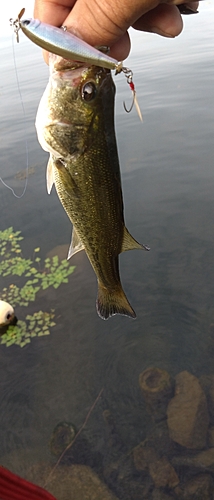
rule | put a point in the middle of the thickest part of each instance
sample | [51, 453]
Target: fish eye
[88, 91]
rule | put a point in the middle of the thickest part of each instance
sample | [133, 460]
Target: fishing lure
[61, 42]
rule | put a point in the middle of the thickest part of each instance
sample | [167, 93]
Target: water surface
[168, 185]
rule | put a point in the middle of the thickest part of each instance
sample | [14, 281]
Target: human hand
[106, 22]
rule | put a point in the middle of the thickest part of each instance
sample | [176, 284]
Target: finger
[120, 49]
[193, 5]
[55, 12]
[179, 2]
[52, 11]
[164, 20]
[105, 22]
[188, 8]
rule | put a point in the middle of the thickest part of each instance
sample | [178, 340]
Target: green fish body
[75, 123]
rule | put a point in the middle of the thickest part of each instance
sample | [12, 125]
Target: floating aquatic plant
[34, 276]
[21, 334]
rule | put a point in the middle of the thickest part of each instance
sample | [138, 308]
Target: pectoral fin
[69, 184]
[129, 243]
[50, 175]
[76, 244]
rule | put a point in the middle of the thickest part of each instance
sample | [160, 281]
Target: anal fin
[76, 244]
[129, 243]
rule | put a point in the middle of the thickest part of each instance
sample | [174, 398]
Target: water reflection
[168, 184]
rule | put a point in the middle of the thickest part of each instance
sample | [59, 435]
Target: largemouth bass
[75, 124]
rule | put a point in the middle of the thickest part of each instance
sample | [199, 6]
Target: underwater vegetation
[29, 276]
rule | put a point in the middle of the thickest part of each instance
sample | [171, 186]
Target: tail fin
[111, 303]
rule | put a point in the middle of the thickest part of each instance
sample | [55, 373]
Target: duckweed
[30, 276]
[21, 334]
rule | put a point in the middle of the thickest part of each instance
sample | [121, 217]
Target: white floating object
[6, 313]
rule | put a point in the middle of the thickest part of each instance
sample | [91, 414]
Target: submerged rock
[203, 461]
[160, 470]
[158, 439]
[157, 387]
[160, 495]
[136, 490]
[122, 478]
[199, 488]
[163, 474]
[207, 383]
[211, 436]
[143, 456]
[75, 482]
[187, 413]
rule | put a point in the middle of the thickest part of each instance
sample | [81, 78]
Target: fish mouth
[59, 64]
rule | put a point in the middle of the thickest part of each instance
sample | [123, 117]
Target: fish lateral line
[61, 42]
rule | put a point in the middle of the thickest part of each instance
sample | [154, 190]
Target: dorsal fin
[76, 244]
[129, 243]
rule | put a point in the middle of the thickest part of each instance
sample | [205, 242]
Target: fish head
[73, 107]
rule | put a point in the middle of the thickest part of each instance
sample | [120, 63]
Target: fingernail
[158, 31]
[187, 9]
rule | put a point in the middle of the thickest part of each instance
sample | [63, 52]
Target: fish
[63, 43]
[75, 124]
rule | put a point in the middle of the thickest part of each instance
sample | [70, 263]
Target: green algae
[29, 277]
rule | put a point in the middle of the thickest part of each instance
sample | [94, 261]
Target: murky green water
[167, 166]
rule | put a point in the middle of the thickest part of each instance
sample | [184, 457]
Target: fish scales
[75, 123]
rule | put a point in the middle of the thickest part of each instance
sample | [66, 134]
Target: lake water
[167, 168]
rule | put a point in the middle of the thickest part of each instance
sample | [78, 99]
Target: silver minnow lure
[63, 43]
